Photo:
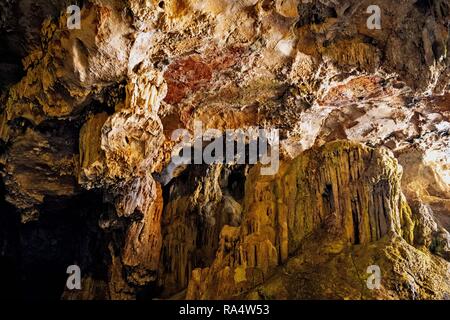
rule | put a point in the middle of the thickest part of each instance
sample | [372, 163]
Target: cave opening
[34, 257]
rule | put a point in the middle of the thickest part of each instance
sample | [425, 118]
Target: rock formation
[87, 122]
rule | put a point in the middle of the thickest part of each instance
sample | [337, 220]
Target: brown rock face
[193, 220]
[89, 176]
[143, 244]
[40, 165]
[345, 195]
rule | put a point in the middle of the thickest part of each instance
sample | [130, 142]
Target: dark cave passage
[35, 256]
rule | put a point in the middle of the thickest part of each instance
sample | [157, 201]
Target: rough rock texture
[193, 220]
[330, 203]
[87, 115]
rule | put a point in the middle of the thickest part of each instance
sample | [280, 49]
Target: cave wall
[86, 118]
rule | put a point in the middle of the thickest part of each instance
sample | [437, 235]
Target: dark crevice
[314, 13]
[34, 256]
[328, 198]
[423, 5]
[356, 223]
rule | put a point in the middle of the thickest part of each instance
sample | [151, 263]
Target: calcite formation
[87, 122]
[341, 195]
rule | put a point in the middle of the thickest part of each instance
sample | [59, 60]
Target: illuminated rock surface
[86, 118]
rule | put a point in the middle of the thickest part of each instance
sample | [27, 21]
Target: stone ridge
[343, 195]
